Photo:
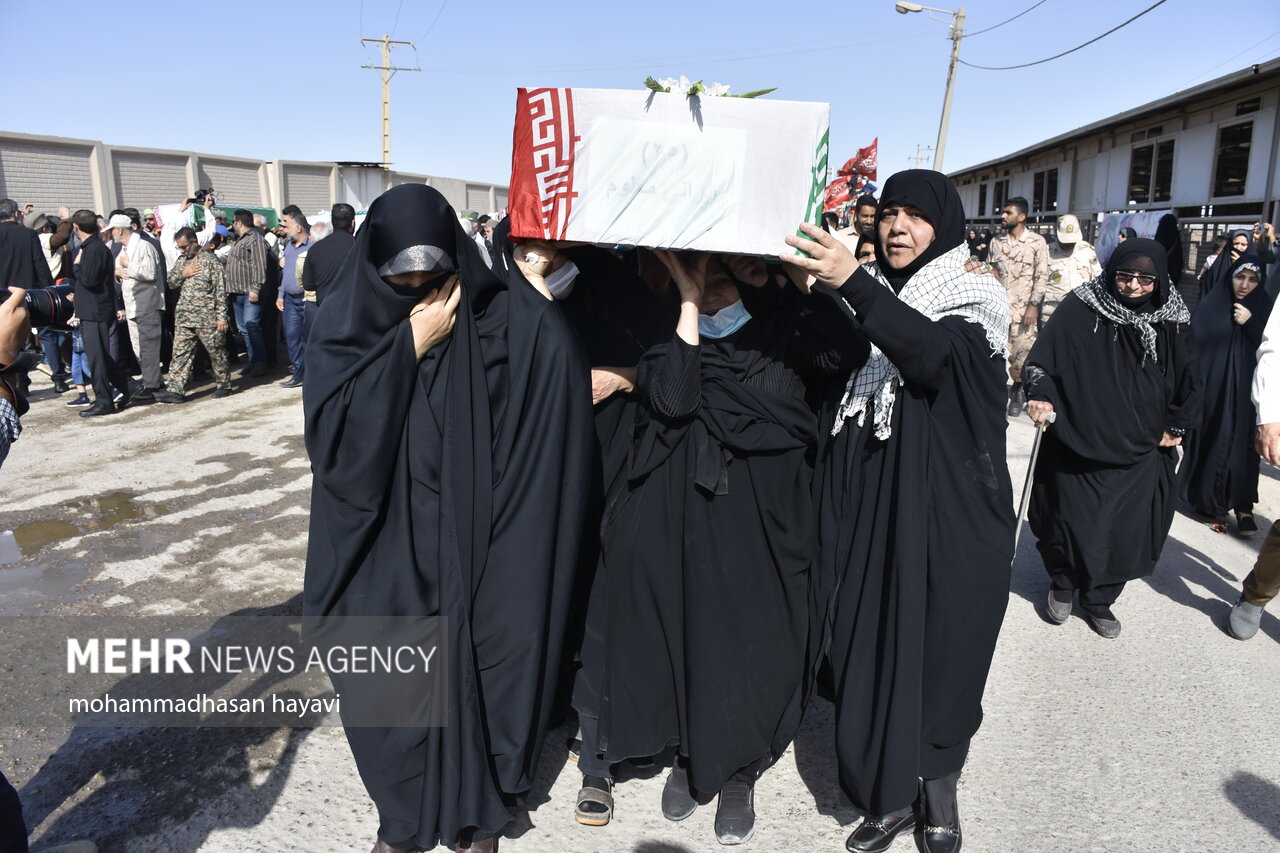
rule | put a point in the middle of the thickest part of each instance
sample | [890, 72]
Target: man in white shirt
[1263, 583]
[136, 268]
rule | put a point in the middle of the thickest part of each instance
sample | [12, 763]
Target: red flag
[864, 162]
[836, 194]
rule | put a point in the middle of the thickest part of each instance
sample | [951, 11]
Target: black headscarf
[934, 195]
[1223, 267]
[1170, 236]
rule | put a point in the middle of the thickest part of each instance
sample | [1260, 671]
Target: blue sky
[293, 87]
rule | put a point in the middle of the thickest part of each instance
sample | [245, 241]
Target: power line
[1002, 23]
[432, 25]
[1209, 71]
[650, 64]
[1065, 52]
[396, 22]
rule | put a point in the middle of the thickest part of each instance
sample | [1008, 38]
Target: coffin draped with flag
[663, 170]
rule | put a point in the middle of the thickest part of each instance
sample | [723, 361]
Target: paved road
[192, 520]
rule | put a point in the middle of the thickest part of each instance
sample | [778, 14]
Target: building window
[999, 195]
[1232, 168]
[1151, 173]
[1162, 187]
[982, 199]
[1044, 194]
[1140, 174]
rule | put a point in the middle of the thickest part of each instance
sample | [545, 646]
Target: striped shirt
[247, 264]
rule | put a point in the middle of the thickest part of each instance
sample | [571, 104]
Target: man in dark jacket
[99, 307]
[22, 262]
[326, 257]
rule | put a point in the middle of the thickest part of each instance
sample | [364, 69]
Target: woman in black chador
[448, 420]
[698, 622]
[1220, 469]
[915, 511]
[1117, 366]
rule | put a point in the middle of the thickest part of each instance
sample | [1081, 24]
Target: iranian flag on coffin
[663, 170]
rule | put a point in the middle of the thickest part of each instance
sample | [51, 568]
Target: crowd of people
[676, 494]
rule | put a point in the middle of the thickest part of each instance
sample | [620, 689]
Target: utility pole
[918, 158]
[957, 33]
[387, 70]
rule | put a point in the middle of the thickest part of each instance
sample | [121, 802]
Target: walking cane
[1031, 475]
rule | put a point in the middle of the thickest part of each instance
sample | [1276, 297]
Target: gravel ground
[191, 521]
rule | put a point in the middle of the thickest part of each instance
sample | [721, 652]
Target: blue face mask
[724, 322]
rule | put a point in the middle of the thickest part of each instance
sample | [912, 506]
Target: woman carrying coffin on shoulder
[698, 624]
[915, 509]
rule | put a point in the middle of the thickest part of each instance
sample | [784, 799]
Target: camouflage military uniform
[1069, 267]
[1023, 263]
[201, 306]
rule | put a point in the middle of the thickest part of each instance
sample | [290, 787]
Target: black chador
[452, 486]
[915, 511]
[1220, 468]
[698, 623]
[1119, 371]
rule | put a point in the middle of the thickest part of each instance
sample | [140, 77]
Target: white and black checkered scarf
[942, 288]
[1098, 296]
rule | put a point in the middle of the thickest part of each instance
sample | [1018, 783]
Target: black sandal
[595, 803]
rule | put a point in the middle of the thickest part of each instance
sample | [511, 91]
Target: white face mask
[560, 282]
[724, 322]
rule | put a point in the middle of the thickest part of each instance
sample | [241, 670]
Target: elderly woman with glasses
[1117, 366]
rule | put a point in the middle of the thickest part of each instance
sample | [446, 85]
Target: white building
[1208, 153]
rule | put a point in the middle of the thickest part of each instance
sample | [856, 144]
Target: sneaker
[1104, 622]
[1245, 524]
[167, 396]
[1058, 606]
[79, 402]
[736, 813]
[1244, 619]
[222, 392]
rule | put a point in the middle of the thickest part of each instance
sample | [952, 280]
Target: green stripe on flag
[813, 210]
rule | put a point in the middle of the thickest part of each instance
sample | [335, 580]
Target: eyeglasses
[1125, 277]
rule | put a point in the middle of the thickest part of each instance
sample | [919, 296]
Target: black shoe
[102, 407]
[736, 813]
[1057, 608]
[1016, 401]
[255, 368]
[291, 383]
[1245, 524]
[167, 396]
[876, 834]
[1104, 622]
[677, 800]
[60, 385]
[941, 839]
[222, 392]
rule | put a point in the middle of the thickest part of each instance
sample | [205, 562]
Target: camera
[48, 307]
[200, 196]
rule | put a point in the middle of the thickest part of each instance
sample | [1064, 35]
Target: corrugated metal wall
[232, 182]
[47, 175]
[143, 178]
[307, 187]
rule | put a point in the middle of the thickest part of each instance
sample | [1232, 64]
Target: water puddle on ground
[88, 515]
[27, 581]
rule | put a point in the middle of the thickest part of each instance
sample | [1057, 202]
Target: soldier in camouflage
[1022, 258]
[1072, 262]
[201, 316]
